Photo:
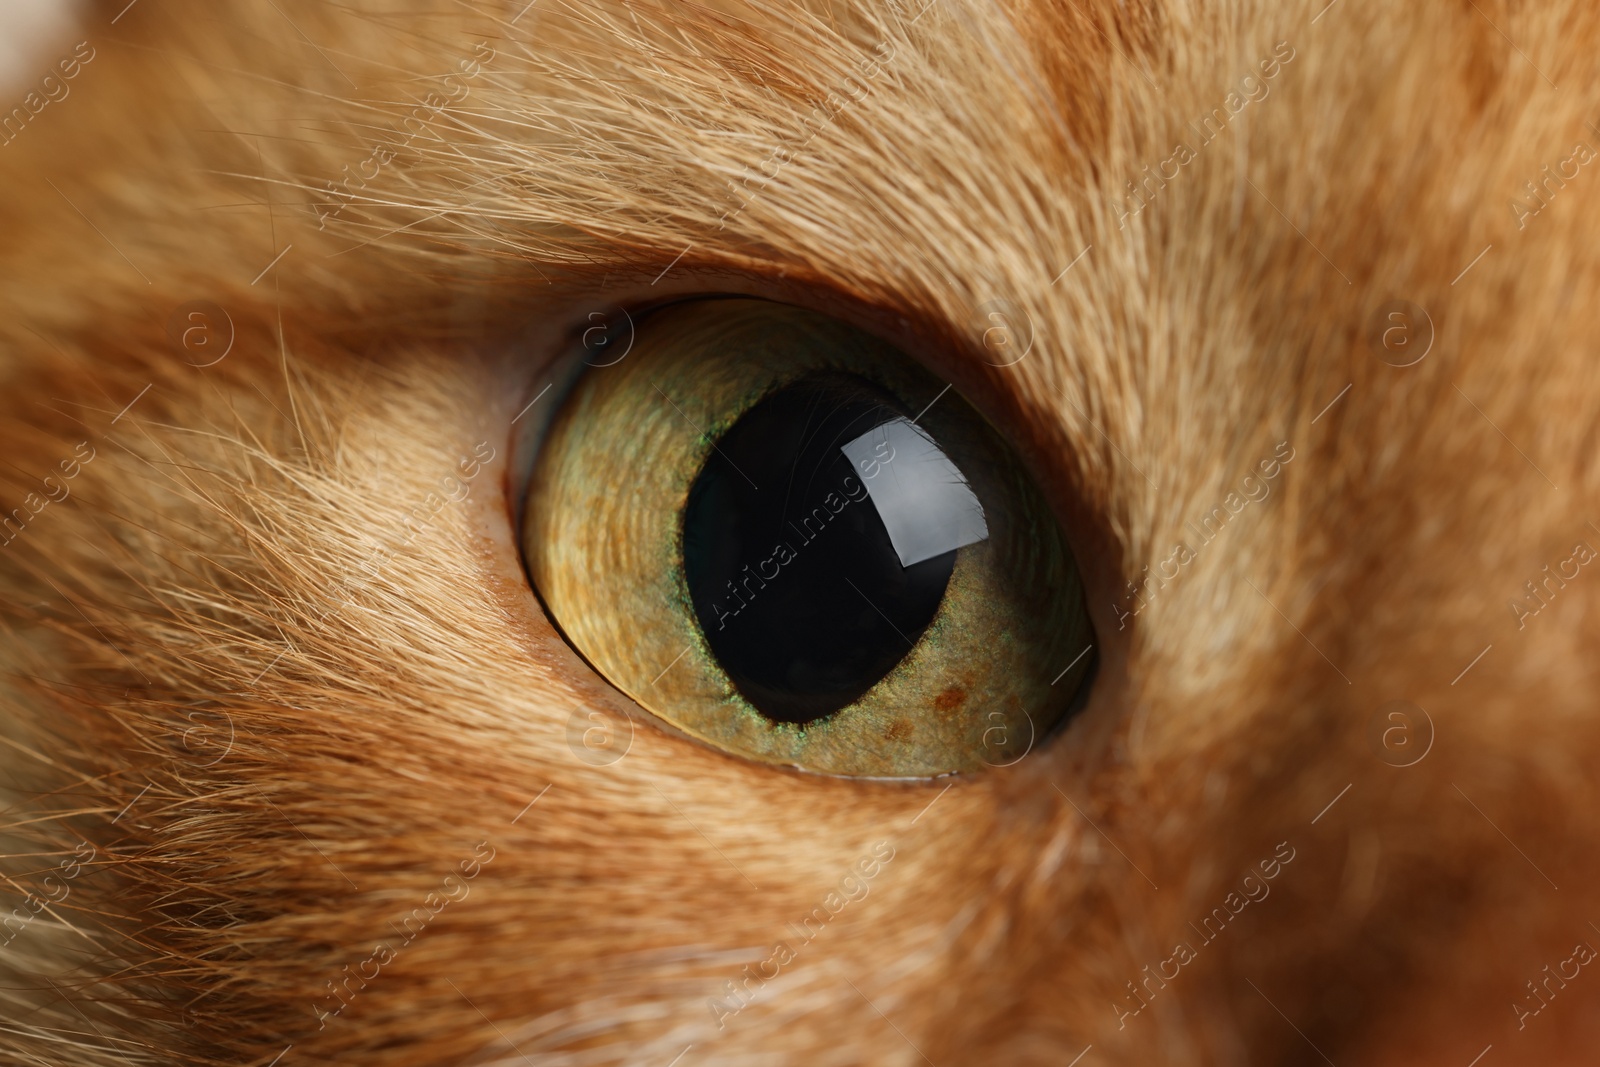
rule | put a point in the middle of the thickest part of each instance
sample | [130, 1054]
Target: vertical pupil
[794, 579]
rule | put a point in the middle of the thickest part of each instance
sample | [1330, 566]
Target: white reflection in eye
[921, 496]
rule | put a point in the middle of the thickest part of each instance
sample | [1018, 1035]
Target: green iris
[874, 586]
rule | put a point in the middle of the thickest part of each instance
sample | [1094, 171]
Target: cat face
[345, 544]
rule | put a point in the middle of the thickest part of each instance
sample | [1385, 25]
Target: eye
[785, 538]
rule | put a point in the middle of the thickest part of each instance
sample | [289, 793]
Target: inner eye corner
[807, 571]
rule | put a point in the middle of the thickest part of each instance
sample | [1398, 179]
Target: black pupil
[794, 579]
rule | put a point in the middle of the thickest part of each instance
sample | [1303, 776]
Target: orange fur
[252, 552]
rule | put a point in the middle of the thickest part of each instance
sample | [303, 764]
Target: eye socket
[785, 538]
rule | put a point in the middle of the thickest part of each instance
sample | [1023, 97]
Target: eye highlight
[785, 538]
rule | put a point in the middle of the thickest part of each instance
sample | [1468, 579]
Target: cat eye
[784, 537]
